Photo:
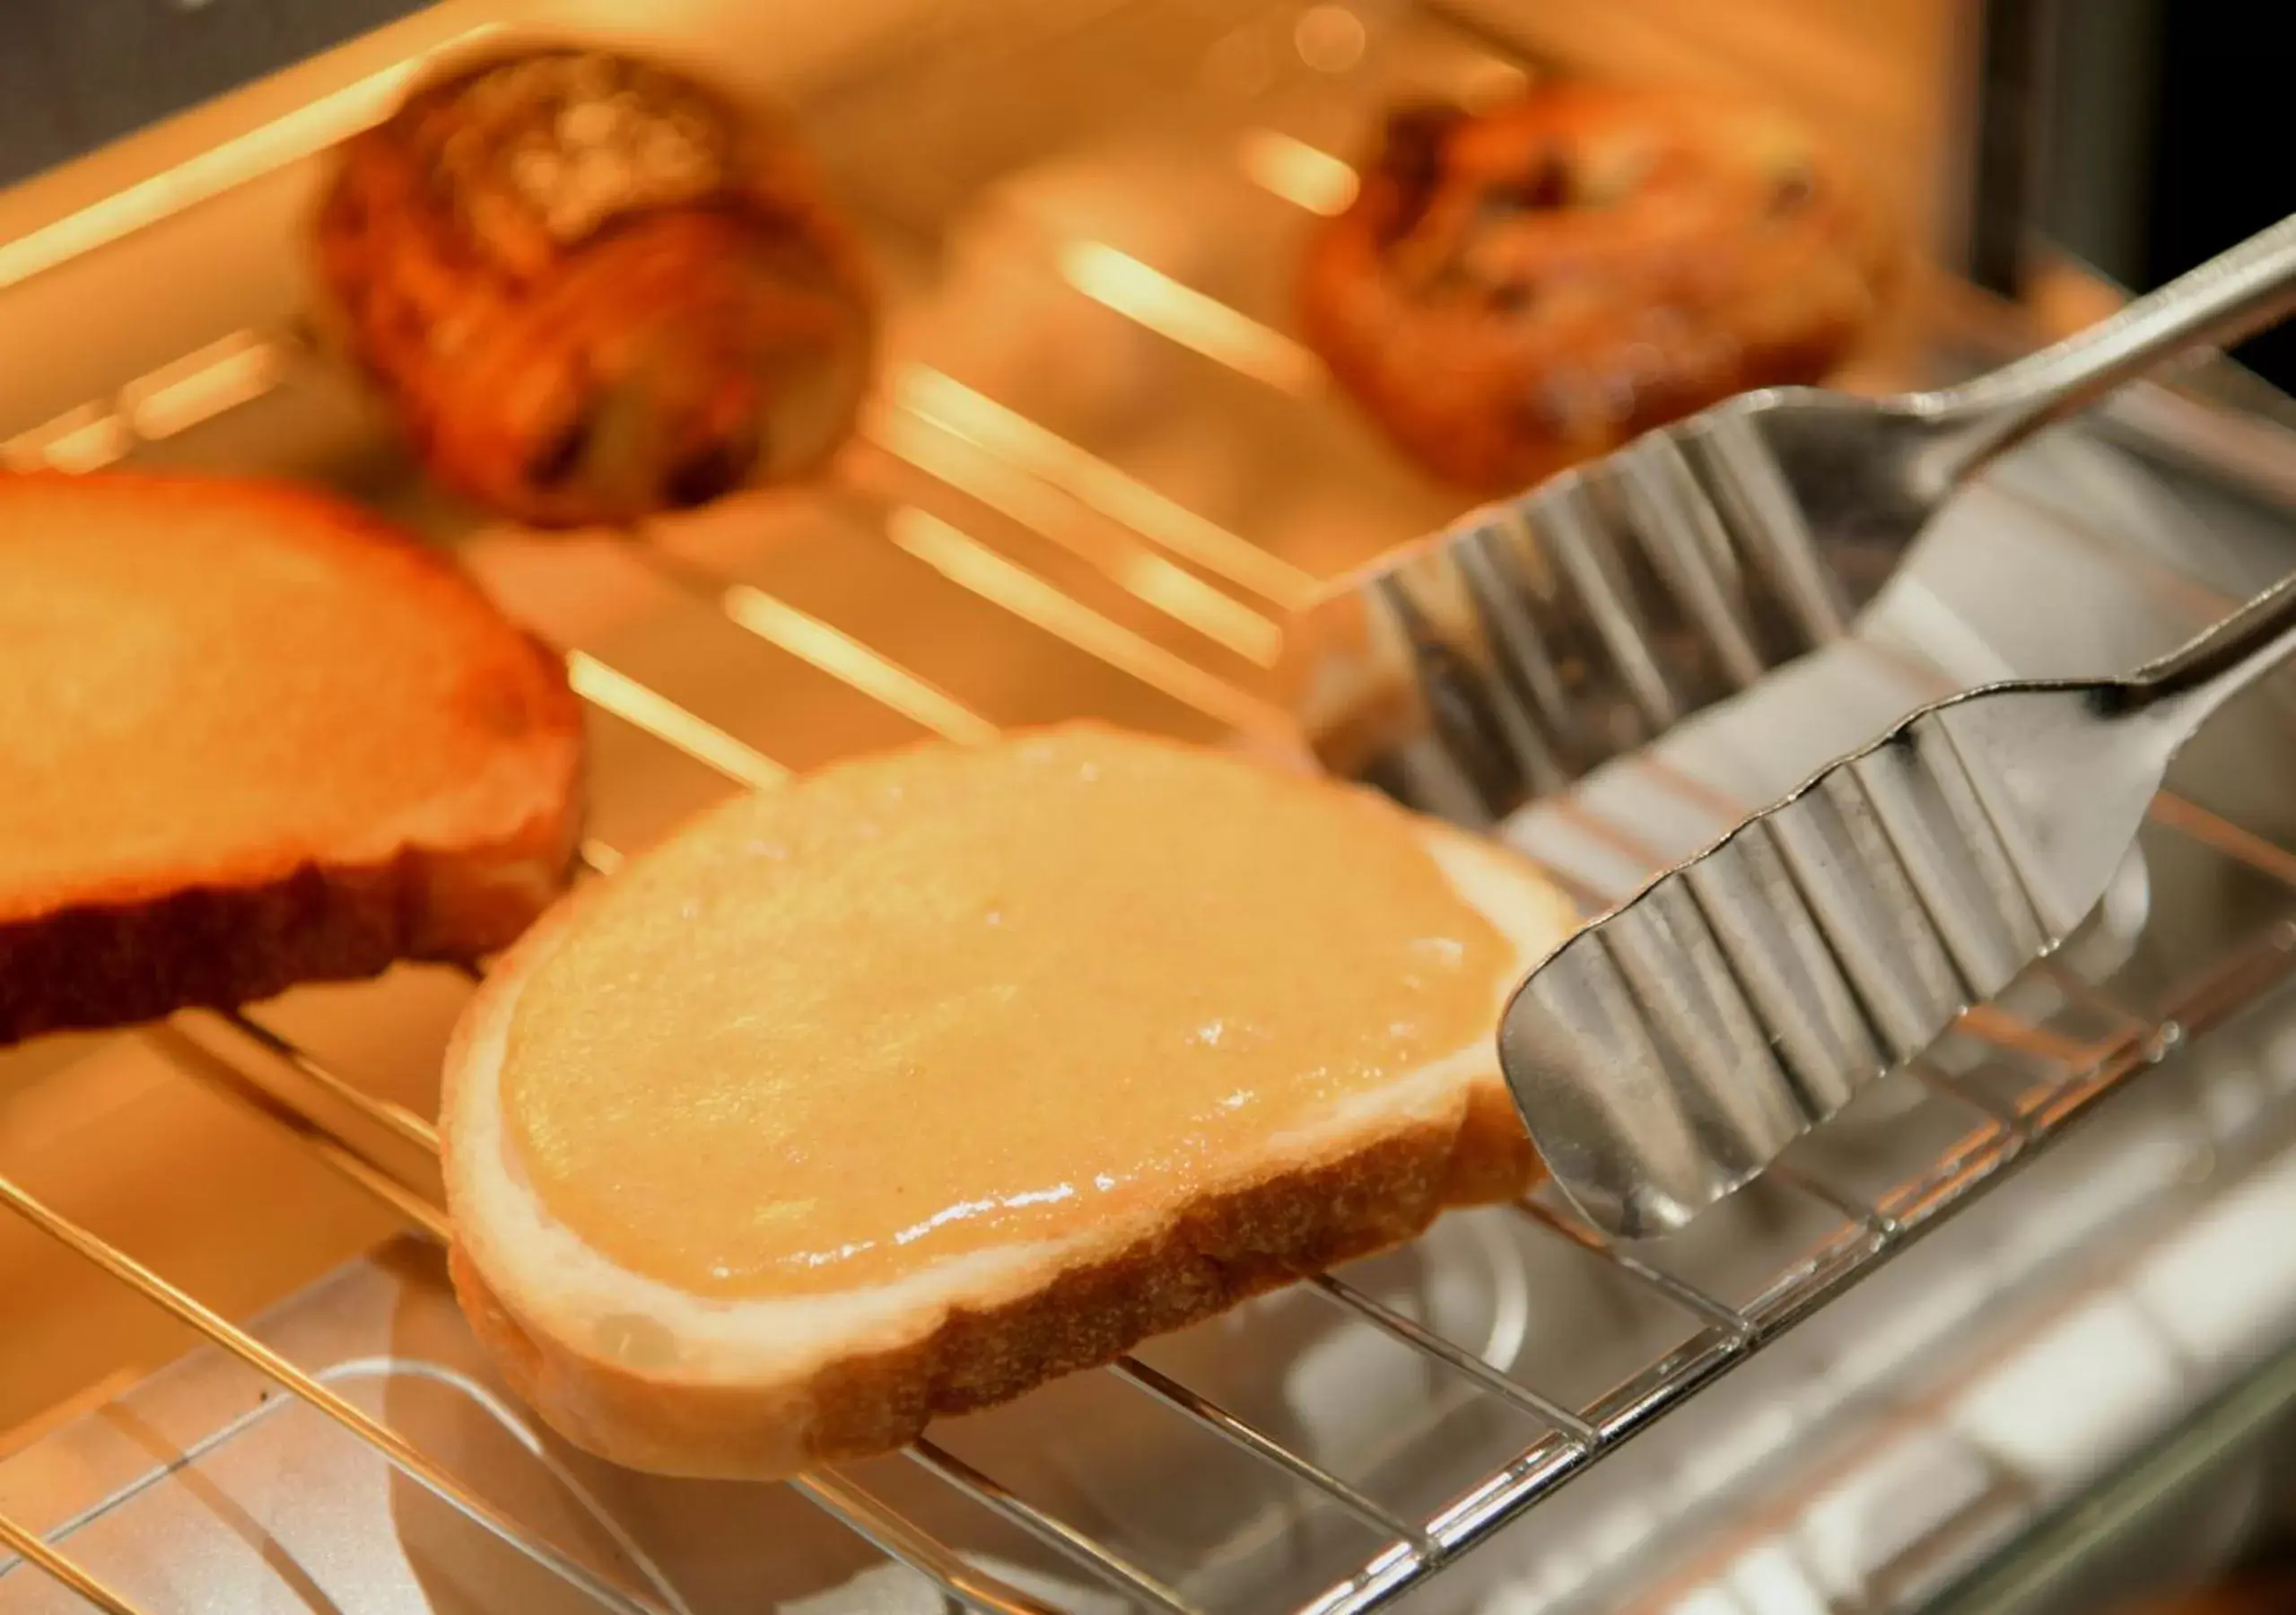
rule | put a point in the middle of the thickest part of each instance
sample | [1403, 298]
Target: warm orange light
[202, 385]
[86, 439]
[1301, 174]
[1330, 38]
[623, 696]
[965, 561]
[1139, 570]
[1138, 292]
[1094, 483]
[842, 656]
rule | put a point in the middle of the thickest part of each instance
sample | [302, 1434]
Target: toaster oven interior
[1098, 473]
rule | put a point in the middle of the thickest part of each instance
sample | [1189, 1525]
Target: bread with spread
[897, 1091]
[254, 738]
[1519, 288]
[594, 288]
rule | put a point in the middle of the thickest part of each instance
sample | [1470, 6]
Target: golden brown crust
[1533, 285]
[239, 922]
[595, 289]
[1218, 1254]
[106, 964]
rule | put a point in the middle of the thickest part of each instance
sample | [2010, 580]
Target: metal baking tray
[1098, 474]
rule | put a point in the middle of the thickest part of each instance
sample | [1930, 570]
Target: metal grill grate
[1577, 1437]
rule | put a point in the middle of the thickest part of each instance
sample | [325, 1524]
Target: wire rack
[2070, 1072]
[2071, 1039]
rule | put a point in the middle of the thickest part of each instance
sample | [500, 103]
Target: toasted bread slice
[254, 738]
[898, 1091]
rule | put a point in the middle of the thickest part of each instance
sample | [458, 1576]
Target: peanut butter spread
[947, 1000]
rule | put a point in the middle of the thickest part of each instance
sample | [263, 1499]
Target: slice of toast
[898, 1091]
[249, 736]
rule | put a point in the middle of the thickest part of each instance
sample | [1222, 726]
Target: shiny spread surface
[946, 999]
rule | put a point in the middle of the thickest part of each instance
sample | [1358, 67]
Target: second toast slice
[249, 736]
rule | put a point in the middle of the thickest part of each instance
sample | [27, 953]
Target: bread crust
[211, 947]
[1379, 1189]
[1217, 1255]
[230, 929]
[1532, 285]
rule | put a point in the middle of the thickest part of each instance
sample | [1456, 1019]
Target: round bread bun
[1518, 289]
[593, 288]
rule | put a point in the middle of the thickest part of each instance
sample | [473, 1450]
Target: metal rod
[34, 1549]
[2219, 835]
[409, 1460]
[858, 664]
[1218, 1419]
[1098, 485]
[883, 1529]
[1875, 1221]
[338, 1154]
[1116, 554]
[965, 561]
[611, 690]
[2131, 1024]
[1574, 811]
[2017, 1127]
[1719, 1313]
[1418, 1335]
[395, 1118]
[1054, 1533]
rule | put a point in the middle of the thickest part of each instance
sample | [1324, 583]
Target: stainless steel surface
[415, 1464]
[1090, 375]
[1551, 631]
[1670, 1050]
[2235, 294]
[2170, 1520]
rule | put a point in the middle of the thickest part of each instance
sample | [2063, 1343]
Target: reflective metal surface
[1668, 1052]
[1548, 633]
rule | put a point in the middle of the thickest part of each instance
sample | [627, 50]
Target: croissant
[593, 289]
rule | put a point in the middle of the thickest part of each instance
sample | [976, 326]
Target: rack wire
[1575, 1437]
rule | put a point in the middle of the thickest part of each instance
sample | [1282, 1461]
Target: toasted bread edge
[1381, 1191]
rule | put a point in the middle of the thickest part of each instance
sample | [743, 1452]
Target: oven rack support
[1576, 1438]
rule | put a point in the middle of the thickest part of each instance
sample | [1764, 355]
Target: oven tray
[1099, 474]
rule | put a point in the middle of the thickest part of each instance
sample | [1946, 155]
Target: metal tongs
[1548, 634]
[1663, 1056]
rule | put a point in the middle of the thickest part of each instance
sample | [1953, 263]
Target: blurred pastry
[594, 289]
[1518, 289]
